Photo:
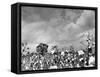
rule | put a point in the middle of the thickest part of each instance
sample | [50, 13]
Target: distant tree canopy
[42, 48]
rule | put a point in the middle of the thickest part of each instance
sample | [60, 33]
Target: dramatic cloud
[55, 26]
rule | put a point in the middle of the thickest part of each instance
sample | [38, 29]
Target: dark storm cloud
[33, 14]
[52, 25]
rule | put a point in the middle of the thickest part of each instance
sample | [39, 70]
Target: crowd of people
[43, 59]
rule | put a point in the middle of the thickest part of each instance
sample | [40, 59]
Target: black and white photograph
[49, 38]
[57, 38]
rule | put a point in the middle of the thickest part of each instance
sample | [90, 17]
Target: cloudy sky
[55, 26]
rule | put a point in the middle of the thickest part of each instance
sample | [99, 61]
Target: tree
[89, 46]
[42, 49]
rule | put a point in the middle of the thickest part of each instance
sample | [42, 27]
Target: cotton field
[41, 58]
